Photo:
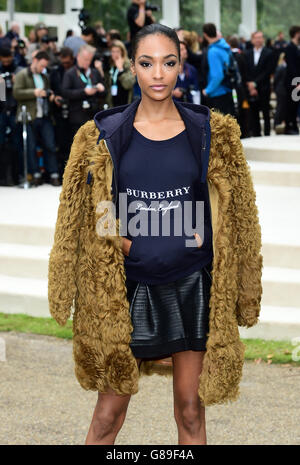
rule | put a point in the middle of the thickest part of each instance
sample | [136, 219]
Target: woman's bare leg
[108, 417]
[189, 413]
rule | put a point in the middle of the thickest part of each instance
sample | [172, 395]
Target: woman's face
[183, 52]
[115, 53]
[156, 63]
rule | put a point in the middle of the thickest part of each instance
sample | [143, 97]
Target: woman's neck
[156, 110]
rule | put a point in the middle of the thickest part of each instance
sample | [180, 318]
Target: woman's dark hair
[155, 28]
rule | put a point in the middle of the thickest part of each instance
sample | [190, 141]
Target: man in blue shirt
[216, 56]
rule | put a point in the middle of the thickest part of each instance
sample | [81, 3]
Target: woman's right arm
[63, 255]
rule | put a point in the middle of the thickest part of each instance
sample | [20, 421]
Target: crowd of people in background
[64, 85]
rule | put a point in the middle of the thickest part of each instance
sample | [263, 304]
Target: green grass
[277, 351]
[37, 325]
[259, 350]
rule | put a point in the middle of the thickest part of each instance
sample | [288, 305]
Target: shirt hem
[183, 274]
[166, 349]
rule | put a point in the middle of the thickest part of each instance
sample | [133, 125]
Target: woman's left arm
[248, 231]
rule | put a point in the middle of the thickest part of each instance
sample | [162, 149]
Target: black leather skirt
[170, 317]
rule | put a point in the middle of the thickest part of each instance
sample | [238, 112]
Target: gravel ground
[41, 402]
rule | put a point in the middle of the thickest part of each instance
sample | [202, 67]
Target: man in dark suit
[260, 66]
[241, 89]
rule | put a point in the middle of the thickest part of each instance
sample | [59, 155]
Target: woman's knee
[187, 413]
[110, 411]
[108, 422]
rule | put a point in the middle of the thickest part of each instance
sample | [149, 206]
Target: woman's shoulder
[87, 132]
[225, 137]
[224, 126]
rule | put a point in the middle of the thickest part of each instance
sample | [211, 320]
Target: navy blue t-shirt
[158, 189]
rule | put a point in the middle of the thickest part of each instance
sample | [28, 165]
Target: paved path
[41, 402]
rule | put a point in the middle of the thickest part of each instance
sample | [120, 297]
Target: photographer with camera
[139, 14]
[48, 45]
[32, 89]
[83, 87]
[43, 42]
[40, 30]
[60, 107]
[19, 50]
[8, 147]
[12, 34]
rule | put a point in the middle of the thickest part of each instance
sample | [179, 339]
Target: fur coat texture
[86, 270]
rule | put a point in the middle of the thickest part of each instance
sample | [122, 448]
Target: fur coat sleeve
[63, 255]
[248, 230]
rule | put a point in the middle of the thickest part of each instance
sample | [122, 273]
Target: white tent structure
[63, 22]
[170, 16]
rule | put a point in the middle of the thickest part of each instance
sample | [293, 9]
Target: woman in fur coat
[142, 298]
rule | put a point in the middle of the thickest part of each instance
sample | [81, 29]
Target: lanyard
[38, 81]
[114, 75]
[85, 79]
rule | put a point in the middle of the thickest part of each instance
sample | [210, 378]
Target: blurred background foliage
[270, 17]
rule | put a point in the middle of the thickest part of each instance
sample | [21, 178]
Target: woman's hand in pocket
[126, 244]
[198, 239]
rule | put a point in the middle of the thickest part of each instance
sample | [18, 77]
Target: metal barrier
[24, 118]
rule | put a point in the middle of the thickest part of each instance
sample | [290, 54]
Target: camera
[83, 17]
[86, 105]
[105, 58]
[184, 93]
[46, 39]
[45, 104]
[8, 79]
[48, 93]
[152, 7]
[64, 108]
[100, 42]
[21, 43]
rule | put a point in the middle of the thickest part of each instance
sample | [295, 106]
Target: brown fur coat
[88, 269]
